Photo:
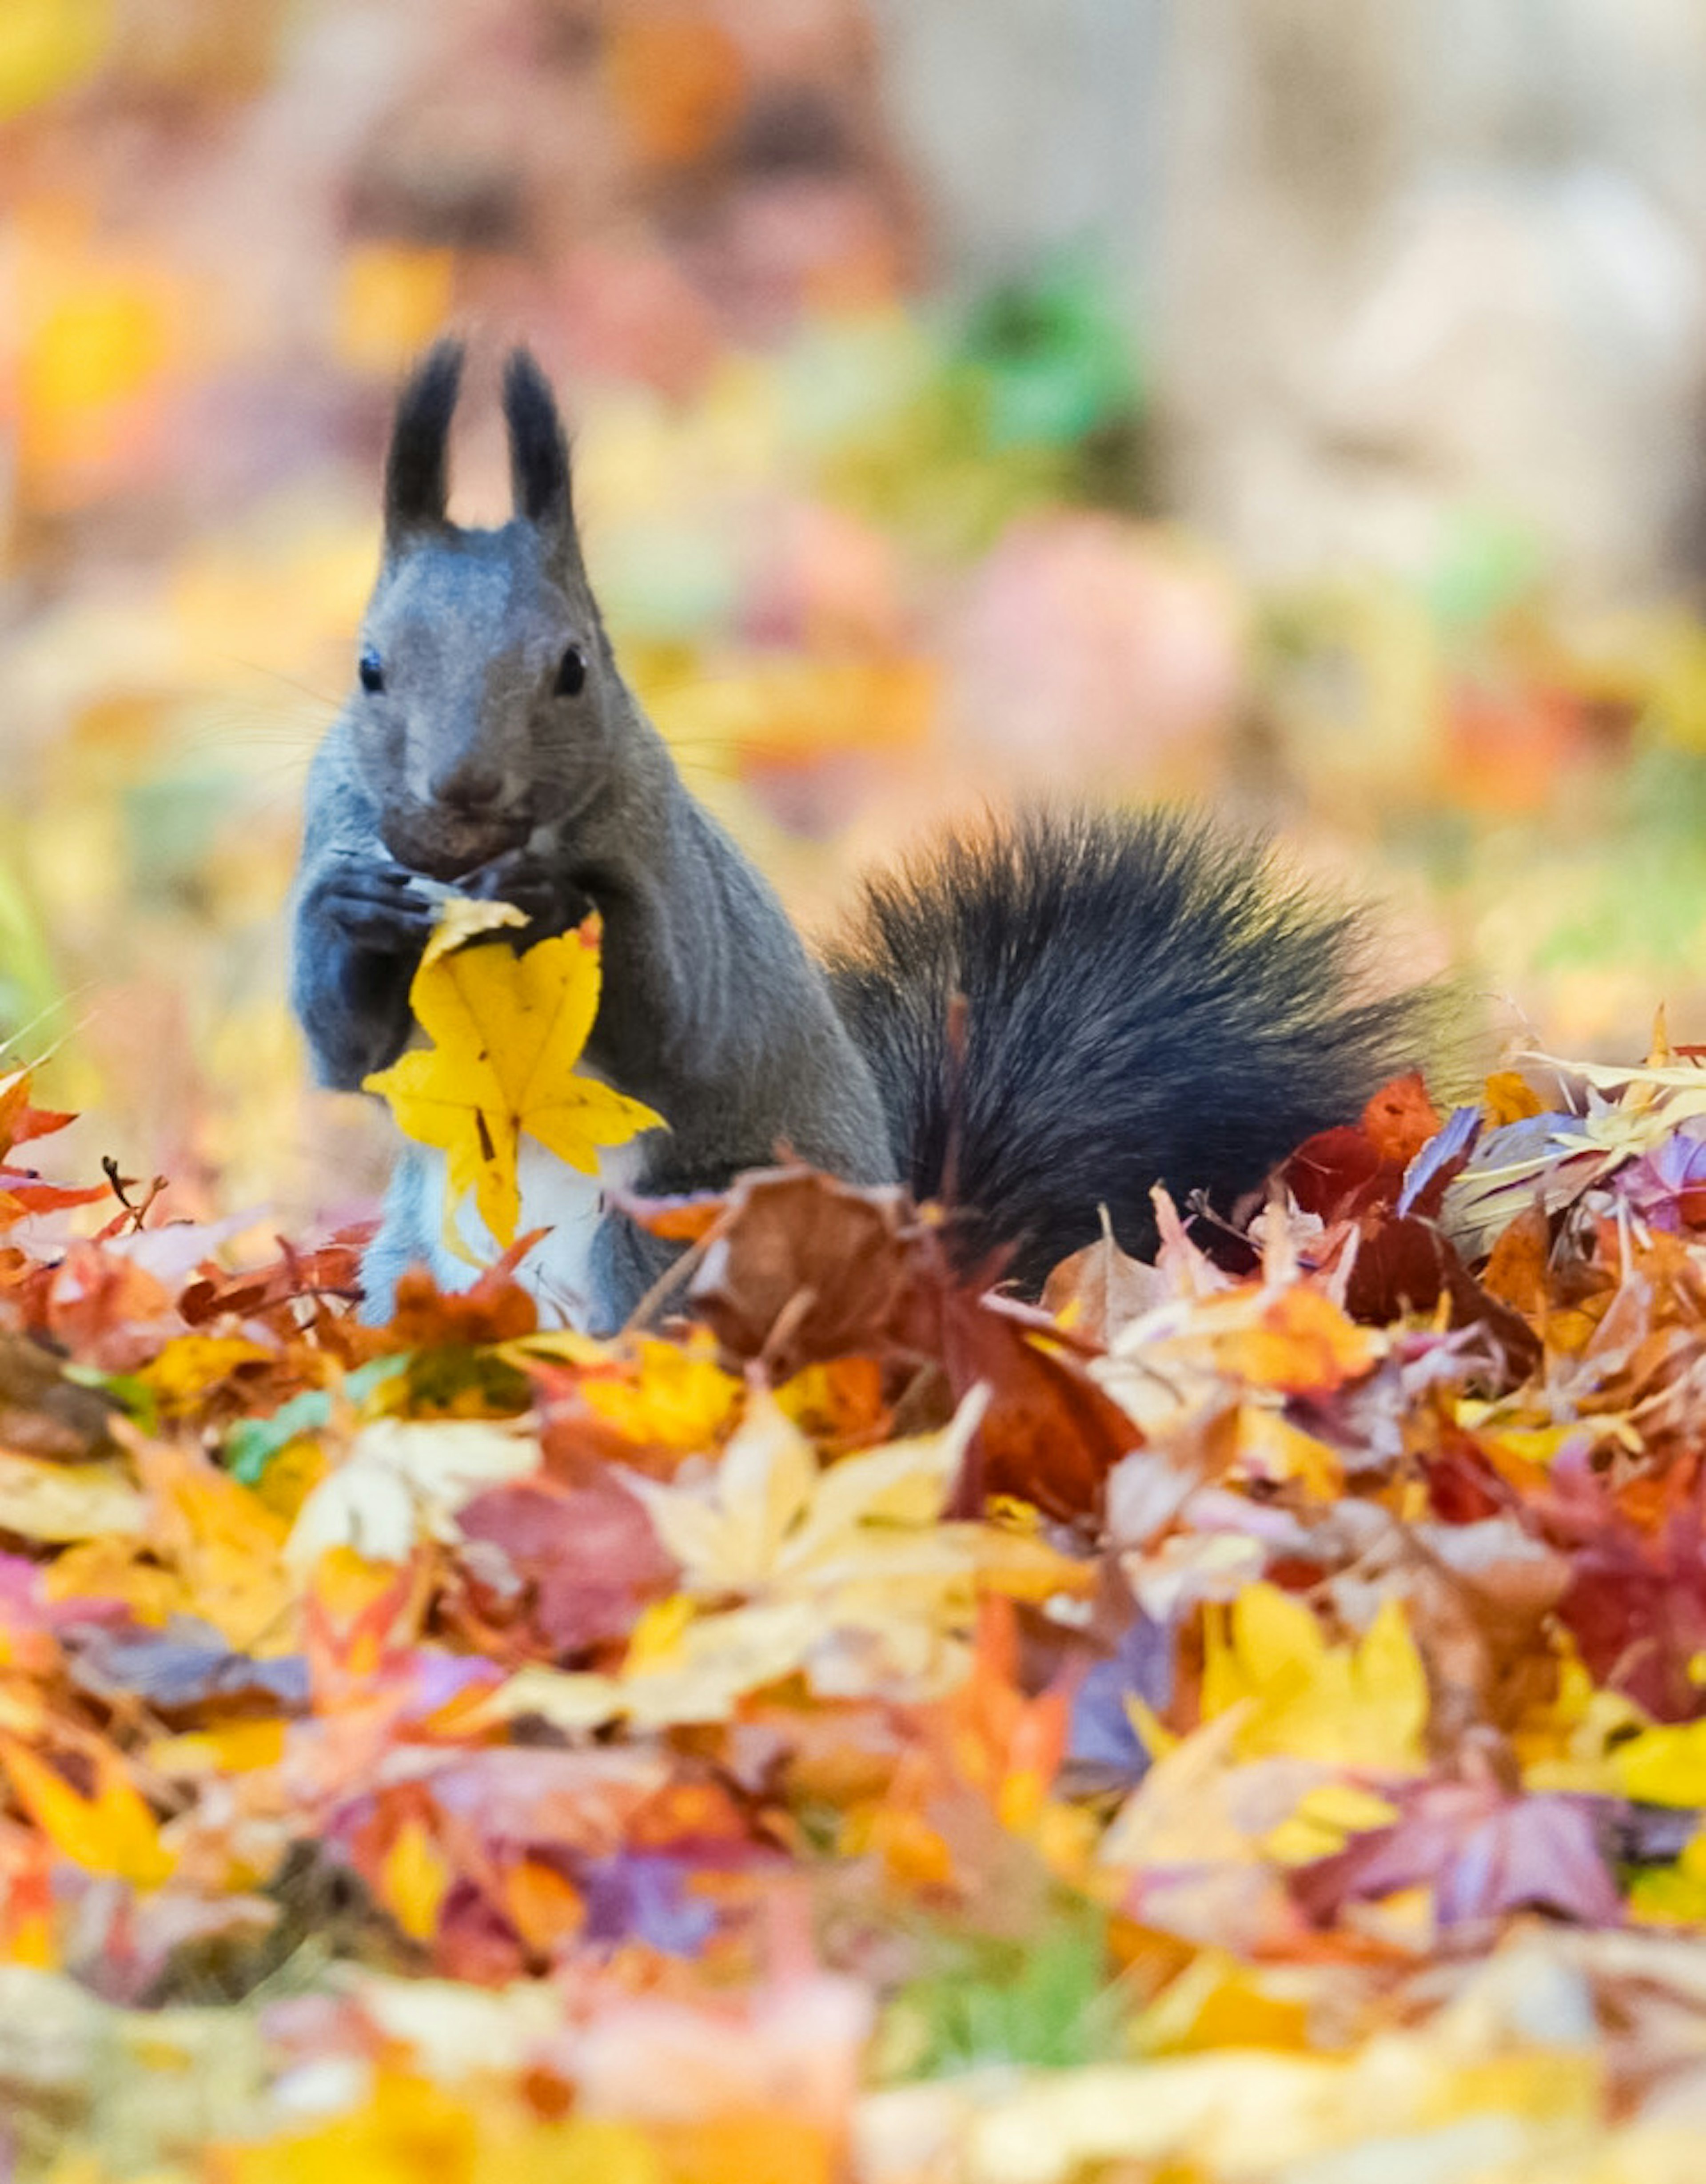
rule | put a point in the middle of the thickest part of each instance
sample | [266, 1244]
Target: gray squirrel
[1030, 1023]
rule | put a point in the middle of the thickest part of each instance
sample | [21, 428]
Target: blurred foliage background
[1295, 404]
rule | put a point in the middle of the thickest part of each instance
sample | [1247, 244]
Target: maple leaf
[582, 1559]
[21, 1189]
[1364, 1705]
[1483, 1852]
[851, 1575]
[508, 1030]
[404, 1481]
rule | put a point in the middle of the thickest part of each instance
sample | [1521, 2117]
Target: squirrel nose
[470, 785]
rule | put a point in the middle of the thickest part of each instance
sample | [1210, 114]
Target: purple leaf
[1439, 1159]
[640, 1897]
[1483, 1852]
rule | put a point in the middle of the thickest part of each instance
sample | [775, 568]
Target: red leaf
[583, 1560]
[1405, 1265]
[805, 1268]
[335, 1268]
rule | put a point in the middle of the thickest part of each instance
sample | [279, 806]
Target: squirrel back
[1028, 1024]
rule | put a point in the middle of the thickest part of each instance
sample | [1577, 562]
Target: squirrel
[1032, 1023]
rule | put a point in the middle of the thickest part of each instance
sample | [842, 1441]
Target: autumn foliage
[1255, 1700]
[1243, 1717]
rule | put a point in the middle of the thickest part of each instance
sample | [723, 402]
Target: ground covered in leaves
[1241, 1720]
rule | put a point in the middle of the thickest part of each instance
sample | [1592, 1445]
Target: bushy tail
[1062, 1012]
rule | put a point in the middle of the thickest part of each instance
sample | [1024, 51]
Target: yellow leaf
[1569, 1740]
[225, 1546]
[655, 1641]
[1216, 2002]
[728, 1531]
[912, 1850]
[410, 2129]
[1509, 1098]
[239, 1747]
[414, 1880]
[1363, 1705]
[1673, 1895]
[109, 1569]
[463, 918]
[1324, 1818]
[847, 1573]
[57, 1501]
[1663, 1764]
[1270, 1448]
[403, 1481]
[691, 1669]
[508, 1030]
[681, 1399]
[112, 1832]
[1198, 1805]
[1293, 1339]
[190, 1364]
[761, 2149]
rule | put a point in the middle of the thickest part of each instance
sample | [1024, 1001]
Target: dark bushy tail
[1145, 999]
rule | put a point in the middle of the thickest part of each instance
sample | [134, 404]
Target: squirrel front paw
[552, 902]
[376, 907]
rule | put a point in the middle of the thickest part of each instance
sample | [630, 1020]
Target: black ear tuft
[417, 469]
[538, 450]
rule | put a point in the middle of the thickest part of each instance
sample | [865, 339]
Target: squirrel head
[489, 700]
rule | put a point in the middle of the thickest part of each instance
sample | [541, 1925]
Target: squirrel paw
[551, 901]
[376, 907]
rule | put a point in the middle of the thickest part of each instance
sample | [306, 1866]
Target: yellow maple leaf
[1362, 1705]
[850, 1574]
[508, 1031]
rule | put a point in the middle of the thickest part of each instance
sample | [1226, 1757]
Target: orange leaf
[1401, 1118]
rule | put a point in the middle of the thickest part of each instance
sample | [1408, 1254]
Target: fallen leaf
[403, 1481]
[1362, 1704]
[43, 1500]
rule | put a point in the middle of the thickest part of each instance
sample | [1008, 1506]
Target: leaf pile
[1245, 1720]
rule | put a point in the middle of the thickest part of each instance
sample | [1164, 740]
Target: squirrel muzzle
[445, 844]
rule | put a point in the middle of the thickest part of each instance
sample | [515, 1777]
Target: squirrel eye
[572, 673]
[370, 671]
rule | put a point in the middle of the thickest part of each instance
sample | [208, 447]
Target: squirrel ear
[417, 469]
[538, 448]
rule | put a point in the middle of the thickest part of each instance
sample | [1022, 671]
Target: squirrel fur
[1028, 1024]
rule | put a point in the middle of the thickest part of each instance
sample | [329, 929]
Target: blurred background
[1295, 405]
